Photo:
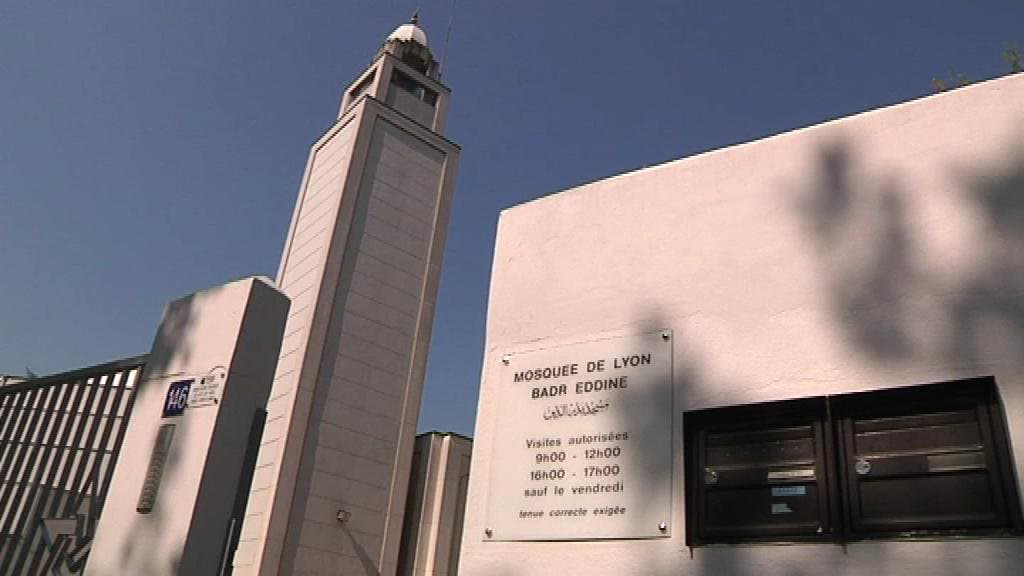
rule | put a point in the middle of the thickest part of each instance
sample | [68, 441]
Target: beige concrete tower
[361, 264]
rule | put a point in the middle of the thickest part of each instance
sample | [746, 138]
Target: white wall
[880, 250]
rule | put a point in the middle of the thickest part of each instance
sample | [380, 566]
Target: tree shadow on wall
[995, 290]
[81, 490]
[136, 549]
[896, 298]
[690, 380]
[908, 288]
[868, 253]
[894, 301]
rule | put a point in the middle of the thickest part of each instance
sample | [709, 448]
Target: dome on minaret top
[410, 32]
[408, 43]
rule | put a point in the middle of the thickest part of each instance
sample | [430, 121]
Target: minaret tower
[361, 265]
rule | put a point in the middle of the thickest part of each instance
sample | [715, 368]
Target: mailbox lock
[862, 467]
[710, 477]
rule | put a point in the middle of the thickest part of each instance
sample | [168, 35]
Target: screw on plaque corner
[506, 359]
[663, 526]
[488, 532]
[665, 335]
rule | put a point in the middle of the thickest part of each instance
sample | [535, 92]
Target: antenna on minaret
[447, 37]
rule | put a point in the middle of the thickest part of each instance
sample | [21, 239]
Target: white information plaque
[208, 391]
[583, 443]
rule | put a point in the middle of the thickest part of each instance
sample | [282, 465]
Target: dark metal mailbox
[760, 472]
[927, 458]
[930, 460]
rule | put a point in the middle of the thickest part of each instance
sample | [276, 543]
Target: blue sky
[151, 149]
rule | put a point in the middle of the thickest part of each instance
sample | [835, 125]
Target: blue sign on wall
[177, 397]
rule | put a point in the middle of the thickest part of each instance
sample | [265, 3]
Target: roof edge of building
[959, 91]
[440, 433]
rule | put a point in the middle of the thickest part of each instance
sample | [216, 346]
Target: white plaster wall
[879, 250]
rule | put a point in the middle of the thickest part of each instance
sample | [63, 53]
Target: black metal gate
[59, 440]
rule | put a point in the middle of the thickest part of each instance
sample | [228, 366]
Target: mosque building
[797, 355]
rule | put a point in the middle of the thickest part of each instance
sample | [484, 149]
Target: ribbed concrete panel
[301, 278]
[380, 295]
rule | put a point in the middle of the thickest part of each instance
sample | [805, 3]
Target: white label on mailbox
[797, 474]
[789, 491]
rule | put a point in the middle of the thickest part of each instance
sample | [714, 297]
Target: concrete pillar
[173, 492]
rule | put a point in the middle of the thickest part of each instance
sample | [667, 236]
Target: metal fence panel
[59, 441]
